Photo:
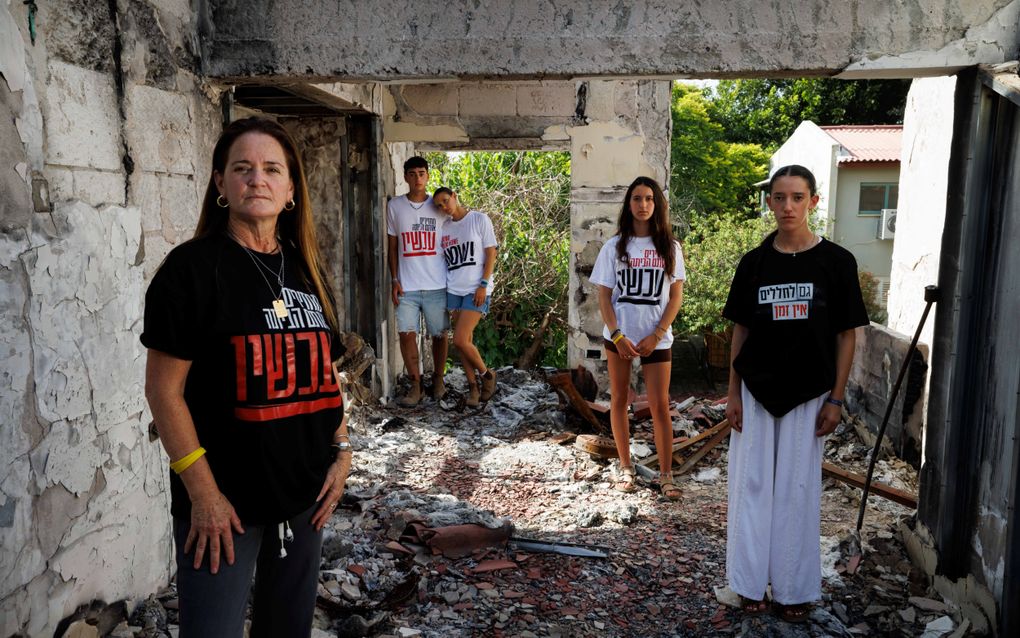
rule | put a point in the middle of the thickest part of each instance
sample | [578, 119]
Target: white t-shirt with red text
[417, 227]
[640, 287]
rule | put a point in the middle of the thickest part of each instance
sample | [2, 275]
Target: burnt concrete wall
[879, 354]
[104, 138]
[394, 39]
[319, 141]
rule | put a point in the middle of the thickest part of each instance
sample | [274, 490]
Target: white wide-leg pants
[775, 490]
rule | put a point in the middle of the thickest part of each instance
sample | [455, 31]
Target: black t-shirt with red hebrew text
[793, 307]
[261, 389]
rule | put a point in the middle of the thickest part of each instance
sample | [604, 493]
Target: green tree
[710, 175]
[711, 253]
[527, 197]
[766, 112]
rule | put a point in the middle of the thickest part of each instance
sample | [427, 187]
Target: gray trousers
[213, 605]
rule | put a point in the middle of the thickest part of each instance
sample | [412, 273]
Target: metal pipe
[931, 296]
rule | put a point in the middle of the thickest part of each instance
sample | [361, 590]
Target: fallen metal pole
[557, 547]
[931, 296]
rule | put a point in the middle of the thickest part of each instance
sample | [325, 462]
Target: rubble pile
[490, 522]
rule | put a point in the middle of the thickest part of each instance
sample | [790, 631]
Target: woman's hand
[647, 345]
[479, 298]
[332, 489]
[828, 418]
[735, 411]
[212, 519]
[626, 349]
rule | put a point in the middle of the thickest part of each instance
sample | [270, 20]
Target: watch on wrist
[342, 446]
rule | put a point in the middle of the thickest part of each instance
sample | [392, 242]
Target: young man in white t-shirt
[418, 272]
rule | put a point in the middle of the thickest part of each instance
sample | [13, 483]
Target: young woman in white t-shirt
[640, 276]
[469, 247]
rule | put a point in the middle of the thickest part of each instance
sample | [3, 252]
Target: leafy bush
[712, 251]
[872, 297]
[527, 197]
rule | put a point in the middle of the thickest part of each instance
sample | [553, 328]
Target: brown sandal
[627, 481]
[668, 488]
[793, 613]
[752, 607]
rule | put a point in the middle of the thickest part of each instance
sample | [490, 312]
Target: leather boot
[472, 397]
[413, 396]
[488, 384]
[438, 387]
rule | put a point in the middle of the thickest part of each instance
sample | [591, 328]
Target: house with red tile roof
[858, 169]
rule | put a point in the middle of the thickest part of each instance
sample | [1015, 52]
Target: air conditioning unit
[887, 224]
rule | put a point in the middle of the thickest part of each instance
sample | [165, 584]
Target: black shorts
[657, 356]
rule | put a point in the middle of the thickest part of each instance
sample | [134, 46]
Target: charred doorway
[340, 152]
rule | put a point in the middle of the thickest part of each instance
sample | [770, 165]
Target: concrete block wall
[623, 132]
[105, 140]
[518, 115]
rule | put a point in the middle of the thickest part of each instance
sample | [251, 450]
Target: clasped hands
[628, 350]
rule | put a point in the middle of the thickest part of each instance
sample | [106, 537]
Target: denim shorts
[431, 303]
[467, 302]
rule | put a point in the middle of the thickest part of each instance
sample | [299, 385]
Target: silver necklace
[279, 307]
[793, 253]
[418, 207]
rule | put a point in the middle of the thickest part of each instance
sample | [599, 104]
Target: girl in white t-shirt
[640, 277]
[469, 246]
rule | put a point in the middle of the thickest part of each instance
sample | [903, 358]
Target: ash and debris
[510, 463]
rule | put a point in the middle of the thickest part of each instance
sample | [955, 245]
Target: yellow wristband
[184, 463]
[618, 338]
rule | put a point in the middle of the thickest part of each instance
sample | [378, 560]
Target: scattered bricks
[357, 570]
[641, 410]
[493, 565]
[599, 410]
[397, 547]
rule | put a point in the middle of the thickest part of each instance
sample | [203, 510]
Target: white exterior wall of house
[858, 233]
[922, 209]
[814, 149]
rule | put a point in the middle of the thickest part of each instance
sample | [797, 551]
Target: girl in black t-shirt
[795, 302]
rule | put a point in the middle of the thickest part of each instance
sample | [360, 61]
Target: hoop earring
[222, 202]
[289, 205]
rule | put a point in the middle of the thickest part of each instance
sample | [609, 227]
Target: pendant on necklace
[280, 309]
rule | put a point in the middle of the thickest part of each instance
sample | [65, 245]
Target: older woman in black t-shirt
[241, 332]
[795, 302]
